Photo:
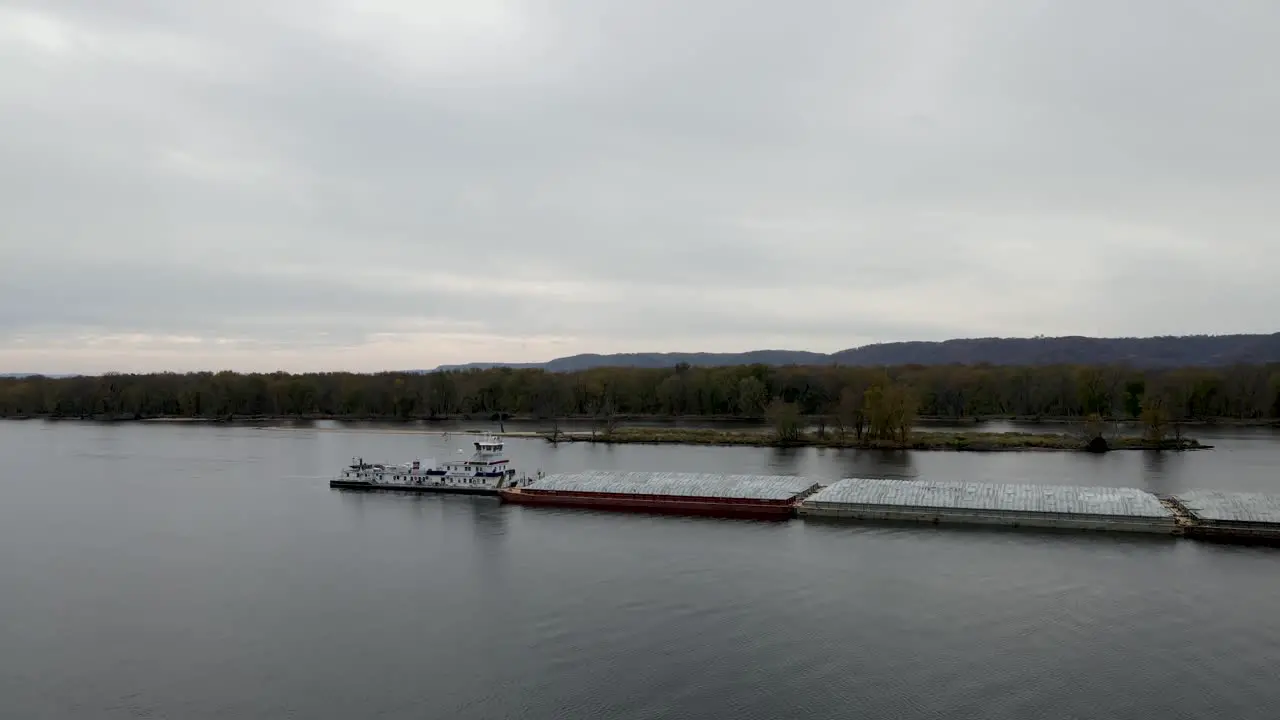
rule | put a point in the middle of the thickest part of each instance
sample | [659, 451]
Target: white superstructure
[486, 469]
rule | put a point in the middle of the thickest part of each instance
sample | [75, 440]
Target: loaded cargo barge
[760, 497]
[1009, 505]
[1197, 514]
[1229, 516]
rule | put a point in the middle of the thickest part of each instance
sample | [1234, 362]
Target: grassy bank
[959, 441]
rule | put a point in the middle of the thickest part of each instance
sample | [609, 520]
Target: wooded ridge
[1149, 352]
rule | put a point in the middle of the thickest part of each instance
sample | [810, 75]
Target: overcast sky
[386, 184]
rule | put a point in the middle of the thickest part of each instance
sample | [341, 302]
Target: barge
[759, 497]
[1230, 516]
[1009, 505]
[484, 473]
[1196, 514]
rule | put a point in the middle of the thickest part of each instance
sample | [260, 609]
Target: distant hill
[574, 363]
[1151, 352]
[48, 375]
[660, 360]
[485, 366]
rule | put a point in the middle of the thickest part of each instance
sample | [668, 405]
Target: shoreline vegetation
[819, 405]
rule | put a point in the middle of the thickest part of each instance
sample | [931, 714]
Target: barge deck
[1009, 505]
[1230, 516]
[761, 497]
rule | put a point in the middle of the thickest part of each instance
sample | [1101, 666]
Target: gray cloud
[390, 184]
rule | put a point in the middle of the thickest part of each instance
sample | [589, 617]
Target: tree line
[879, 397]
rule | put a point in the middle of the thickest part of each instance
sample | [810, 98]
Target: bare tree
[785, 418]
[604, 418]
[891, 412]
[1155, 419]
[851, 413]
[752, 397]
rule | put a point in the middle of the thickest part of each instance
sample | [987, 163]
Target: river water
[190, 571]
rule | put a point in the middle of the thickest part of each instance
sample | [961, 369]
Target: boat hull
[617, 503]
[387, 487]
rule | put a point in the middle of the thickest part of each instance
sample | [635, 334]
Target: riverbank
[953, 441]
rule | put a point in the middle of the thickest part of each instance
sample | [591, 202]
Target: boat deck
[708, 494]
[392, 487]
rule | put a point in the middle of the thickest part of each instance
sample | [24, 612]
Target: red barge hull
[705, 507]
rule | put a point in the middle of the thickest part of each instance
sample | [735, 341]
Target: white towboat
[484, 473]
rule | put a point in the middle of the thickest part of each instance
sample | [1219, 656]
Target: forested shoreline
[828, 393]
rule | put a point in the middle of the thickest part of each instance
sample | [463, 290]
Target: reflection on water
[1200, 431]
[1243, 458]
[785, 460]
[1156, 472]
[894, 464]
[488, 520]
